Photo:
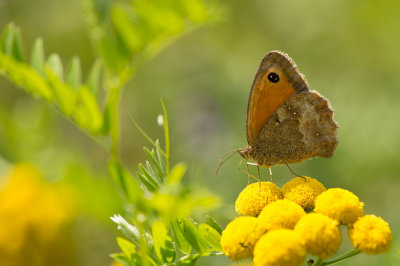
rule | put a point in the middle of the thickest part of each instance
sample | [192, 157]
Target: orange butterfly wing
[277, 79]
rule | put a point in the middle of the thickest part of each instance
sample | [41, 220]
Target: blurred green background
[348, 50]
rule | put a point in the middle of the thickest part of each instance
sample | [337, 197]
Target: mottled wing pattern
[301, 128]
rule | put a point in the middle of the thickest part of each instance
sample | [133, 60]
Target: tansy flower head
[339, 204]
[279, 247]
[371, 235]
[239, 237]
[280, 214]
[303, 191]
[320, 233]
[255, 197]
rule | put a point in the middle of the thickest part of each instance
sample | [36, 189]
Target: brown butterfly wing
[266, 96]
[301, 128]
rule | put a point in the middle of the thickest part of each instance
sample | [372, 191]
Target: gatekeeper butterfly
[286, 121]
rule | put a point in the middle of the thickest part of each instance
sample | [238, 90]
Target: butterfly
[286, 121]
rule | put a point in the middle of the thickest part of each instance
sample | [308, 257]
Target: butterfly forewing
[277, 79]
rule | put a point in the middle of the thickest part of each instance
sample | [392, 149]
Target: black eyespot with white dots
[273, 77]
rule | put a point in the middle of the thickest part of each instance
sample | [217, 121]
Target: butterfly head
[246, 152]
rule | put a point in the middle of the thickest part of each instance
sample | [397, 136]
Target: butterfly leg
[259, 178]
[246, 172]
[293, 172]
[270, 174]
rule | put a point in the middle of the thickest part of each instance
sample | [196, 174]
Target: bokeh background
[348, 50]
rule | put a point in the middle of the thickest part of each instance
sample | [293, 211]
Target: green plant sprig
[167, 236]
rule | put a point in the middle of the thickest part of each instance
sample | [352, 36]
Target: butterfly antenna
[225, 158]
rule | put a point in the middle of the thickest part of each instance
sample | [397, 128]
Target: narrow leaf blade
[214, 224]
[6, 39]
[18, 51]
[162, 242]
[179, 239]
[93, 80]
[73, 77]
[193, 236]
[55, 64]
[37, 56]
[211, 235]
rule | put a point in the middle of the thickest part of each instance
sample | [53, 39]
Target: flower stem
[318, 262]
[341, 257]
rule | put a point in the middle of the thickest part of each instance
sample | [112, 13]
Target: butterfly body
[286, 122]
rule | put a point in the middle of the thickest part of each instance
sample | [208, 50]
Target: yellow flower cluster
[275, 228]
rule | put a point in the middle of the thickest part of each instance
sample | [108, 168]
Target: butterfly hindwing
[301, 128]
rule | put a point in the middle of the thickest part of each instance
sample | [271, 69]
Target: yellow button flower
[255, 197]
[303, 191]
[320, 233]
[239, 237]
[280, 214]
[279, 248]
[339, 204]
[371, 235]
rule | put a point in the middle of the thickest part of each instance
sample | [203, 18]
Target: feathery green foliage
[124, 34]
[165, 232]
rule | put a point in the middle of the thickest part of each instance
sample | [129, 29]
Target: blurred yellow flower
[280, 214]
[239, 237]
[303, 191]
[371, 235]
[255, 197]
[321, 234]
[339, 204]
[31, 213]
[279, 248]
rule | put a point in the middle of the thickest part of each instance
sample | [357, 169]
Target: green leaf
[55, 64]
[148, 178]
[145, 181]
[188, 260]
[127, 229]
[214, 224]
[93, 80]
[128, 32]
[37, 56]
[65, 95]
[193, 236]
[87, 114]
[121, 258]
[179, 239]
[126, 182]
[18, 51]
[176, 174]
[74, 74]
[7, 38]
[212, 236]
[162, 242]
[127, 247]
[25, 77]
[160, 173]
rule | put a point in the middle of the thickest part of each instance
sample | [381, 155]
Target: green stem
[112, 116]
[341, 257]
[148, 137]
[318, 262]
[166, 135]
